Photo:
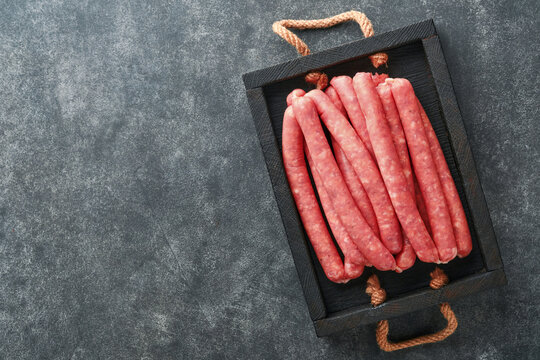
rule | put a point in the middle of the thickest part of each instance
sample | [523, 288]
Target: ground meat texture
[396, 130]
[306, 202]
[367, 242]
[356, 188]
[365, 168]
[391, 170]
[457, 214]
[333, 95]
[354, 260]
[344, 88]
[406, 258]
[424, 168]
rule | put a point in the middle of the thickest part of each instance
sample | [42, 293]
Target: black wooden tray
[414, 53]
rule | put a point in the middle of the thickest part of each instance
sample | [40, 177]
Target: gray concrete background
[137, 217]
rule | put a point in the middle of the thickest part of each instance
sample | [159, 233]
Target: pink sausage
[306, 202]
[457, 214]
[353, 183]
[392, 115]
[355, 186]
[333, 95]
[365, 168]
[354, 260]
[396, 130]
[407, 257]
[424, 168]
[325, 164]
[345, 90]
[294, 94]
[391, 170]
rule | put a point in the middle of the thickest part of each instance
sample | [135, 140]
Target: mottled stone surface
[137, 217]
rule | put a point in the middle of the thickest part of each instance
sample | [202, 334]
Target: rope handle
[281, 28]
[378, 296]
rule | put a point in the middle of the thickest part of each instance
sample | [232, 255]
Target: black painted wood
[414, 301]
[414, 53]
[343, 53]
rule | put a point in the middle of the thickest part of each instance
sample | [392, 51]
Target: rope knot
[378, 59]
[378, 295]
[317, 78]
[438, 279]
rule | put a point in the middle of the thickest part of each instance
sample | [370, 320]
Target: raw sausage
[354, 260]
[457, 214]
[365, 169]
[344, 88]
[355, 224]
[353, 183]
[406, 258]
[355, 186]
[425, 169]
[385, 152]
[306, 202]
[392, 115]
[333, 95]
[396, 130]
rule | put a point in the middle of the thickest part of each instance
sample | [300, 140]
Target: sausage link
[306, 202]
[355, 186]
[353, 183]
[354, 260]
[396, 130]
[424, 168]
[391, 170]
[365, 168]
[355, 224]
[406, 258]
[344, 88]
[333, 95]
[457, 214]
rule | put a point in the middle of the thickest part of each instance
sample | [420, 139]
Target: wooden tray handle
[281, 28]
[378, 296]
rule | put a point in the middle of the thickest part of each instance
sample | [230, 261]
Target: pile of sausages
[382, 180]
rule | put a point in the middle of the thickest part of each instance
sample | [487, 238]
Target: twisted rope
[378, 296]
[320, 79]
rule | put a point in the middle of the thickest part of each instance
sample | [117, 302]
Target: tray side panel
[339, 54]
[415, 301]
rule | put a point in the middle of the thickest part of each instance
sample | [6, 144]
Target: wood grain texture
[334, 56]
[291, 221]
[414, 53]
[464, 163]
[414, 301]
